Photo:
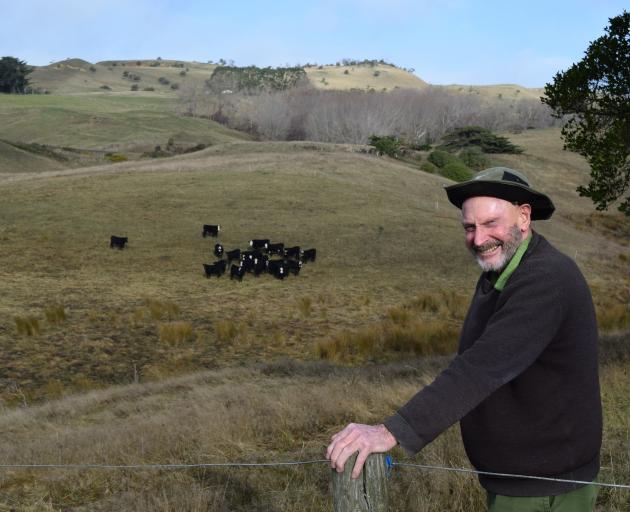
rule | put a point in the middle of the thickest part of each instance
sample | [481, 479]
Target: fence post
[368, 492]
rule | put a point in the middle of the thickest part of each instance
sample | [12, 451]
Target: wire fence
[390, 463]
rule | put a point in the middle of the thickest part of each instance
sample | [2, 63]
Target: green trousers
[580, 500]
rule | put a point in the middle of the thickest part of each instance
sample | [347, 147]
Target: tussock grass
[279, 411]
[226, 330]
[27, 325]
[305, 306]
[613, 316]
[161, 310]
[55, 314]
[176, 333]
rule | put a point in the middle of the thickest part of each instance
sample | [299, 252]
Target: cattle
[293, 252]
[236, 272]
[309, 255]
[259, 266]
[118, 242]
[260, 243]
[218, 250]
[233, 255]
[293, 266]
[277, 268]
[215, 269]
[210, 230]
[276, 249]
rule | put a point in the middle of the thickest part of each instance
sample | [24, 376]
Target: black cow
[259, 266]
[293, 266]
[277, 268]
[215, 269]
[276, 249]
[293, 252]
[309, 255]
[236, 272]
[218, 250]
[260, 243]
[233, 255]
[210, 230]
[118, 242]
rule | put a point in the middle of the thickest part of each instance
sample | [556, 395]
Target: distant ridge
[166, 76]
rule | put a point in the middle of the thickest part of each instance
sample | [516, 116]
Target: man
[524, 384]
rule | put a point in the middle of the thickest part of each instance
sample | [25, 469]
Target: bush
[163, 80]
[174, 86]
[134, 87]
[474, 158]
[483, 138]
[387, 145]
[116, 157]
[106, 87]
[456, 171]
[440, 157]
[429, 167]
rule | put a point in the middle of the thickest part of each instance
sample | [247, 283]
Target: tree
[594, 95]
[13, 75]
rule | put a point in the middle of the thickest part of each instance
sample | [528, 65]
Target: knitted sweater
[524, 384]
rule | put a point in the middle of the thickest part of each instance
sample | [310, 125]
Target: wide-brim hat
[506, 184]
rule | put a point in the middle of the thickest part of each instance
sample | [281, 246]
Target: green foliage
[440, 157]
[116, 157]
[476, 136]
[456, 171]
[595, 95]
[450, 166]
[387, 145]
[474, 158]
[252, 79]
[13, 75]
[429, 167]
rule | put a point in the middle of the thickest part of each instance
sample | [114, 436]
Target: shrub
[474, 158]
[387, 145]
[440, 157]
[174, 86]
[134, 87]
[93, 69]
[429, 167]
[106, 87]
[456, 171]
[163, 80]
[116, 157]
[480, 137]
[149, 89]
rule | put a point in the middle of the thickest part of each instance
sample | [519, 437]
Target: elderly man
[524, 384]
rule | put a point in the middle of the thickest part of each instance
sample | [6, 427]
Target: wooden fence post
[366, 493]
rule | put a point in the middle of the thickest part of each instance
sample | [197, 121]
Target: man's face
[494, 230]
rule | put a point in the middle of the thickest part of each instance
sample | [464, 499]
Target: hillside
[84, 128]
[76, 76]
[239, 377]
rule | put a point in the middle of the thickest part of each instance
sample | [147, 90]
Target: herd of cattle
[257, 260]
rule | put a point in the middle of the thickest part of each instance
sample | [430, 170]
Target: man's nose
[481, 236]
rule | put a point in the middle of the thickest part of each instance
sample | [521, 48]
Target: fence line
[390, 464]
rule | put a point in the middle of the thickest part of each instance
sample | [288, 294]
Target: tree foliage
[13, 75]
[477, 137]
[594, 95]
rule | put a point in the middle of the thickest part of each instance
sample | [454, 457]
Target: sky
[447, 41]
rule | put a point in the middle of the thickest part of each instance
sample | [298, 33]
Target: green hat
[503, 183]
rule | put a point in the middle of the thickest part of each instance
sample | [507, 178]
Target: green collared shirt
[512, 265]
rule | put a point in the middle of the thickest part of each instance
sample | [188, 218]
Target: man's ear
[524, 216]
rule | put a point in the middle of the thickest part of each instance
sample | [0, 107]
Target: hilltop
[166, 77]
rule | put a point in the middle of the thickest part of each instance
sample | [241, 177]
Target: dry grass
[176, 333]
[277, 412]
[27, 325]
[55, 314]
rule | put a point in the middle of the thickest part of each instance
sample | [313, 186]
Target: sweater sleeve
[528, 314]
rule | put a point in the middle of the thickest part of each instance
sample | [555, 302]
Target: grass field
[133, 356]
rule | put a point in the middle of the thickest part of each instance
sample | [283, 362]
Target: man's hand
[365, 439]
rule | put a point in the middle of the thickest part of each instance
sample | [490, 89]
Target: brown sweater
[524, 384]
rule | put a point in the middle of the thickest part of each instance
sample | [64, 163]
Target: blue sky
[447, 41]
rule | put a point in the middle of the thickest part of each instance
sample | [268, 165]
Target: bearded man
[524, 385]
